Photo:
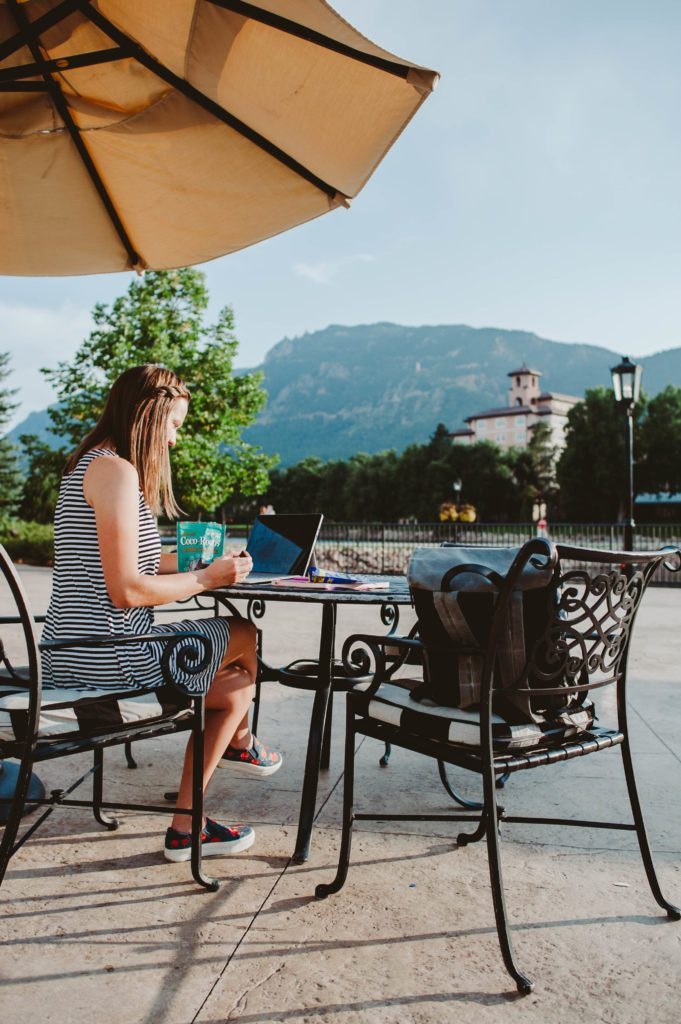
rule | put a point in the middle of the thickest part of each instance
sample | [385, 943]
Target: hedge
[32, 543]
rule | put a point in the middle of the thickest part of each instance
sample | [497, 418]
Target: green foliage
[10, 476]
[534, 470]
[28, 542]
[591, 470]
[658, 444]
[45, 466]
[388, 487]
[160, 319]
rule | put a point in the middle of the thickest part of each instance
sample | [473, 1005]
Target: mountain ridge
[370, 387]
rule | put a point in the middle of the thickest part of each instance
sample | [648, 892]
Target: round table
[258, 595]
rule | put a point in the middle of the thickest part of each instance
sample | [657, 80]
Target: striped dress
[80, 605]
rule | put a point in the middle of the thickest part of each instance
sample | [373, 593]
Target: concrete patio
[97, 926]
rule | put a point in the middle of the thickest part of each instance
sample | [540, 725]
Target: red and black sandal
[256, 760]
[217, 840]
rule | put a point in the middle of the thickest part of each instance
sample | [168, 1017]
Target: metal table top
[396, 593]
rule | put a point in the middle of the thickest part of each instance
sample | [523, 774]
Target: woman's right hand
[228, 569]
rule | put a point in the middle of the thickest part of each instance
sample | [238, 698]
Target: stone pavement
[97, 926]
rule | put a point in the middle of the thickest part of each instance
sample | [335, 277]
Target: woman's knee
[243, 630]
[230, 689]
[242, 646]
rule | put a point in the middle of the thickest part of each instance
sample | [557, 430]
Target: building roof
[545, 395]
[523, 370]
[504, 410]
[459, 433]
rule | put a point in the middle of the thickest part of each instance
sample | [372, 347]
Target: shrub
[32, 543]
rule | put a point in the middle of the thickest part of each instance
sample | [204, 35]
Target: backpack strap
[461, 635]
[512, 656]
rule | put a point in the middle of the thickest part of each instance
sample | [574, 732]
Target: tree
[10, 477]
[591, 470]
[45, 466]
[658, 444]
[160, 319]
[387, 486]
[534, 469]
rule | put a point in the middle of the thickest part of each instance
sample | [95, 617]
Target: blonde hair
[135, 419]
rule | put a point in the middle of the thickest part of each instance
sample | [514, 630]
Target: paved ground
[96, 926]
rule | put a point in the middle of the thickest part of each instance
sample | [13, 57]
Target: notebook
[282, 545]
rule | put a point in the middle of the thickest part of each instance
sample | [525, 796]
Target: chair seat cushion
[76, 711]
[393, 705]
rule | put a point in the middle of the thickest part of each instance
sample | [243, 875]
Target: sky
[537, 189]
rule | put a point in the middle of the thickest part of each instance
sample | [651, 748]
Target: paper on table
[303, 583]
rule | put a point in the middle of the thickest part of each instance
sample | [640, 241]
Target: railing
[387, 547]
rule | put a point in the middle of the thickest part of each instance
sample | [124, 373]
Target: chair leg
[258, 684]
[466, 838]
[385, 760]
[490, 818]
[673, 913]
[15, 813]
[326, 740]
[472, 805]
[212, 884]
[324, 890]
[255, 715]
[132, 763]
[97, 791]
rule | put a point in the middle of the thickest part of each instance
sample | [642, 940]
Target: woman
[109, 573]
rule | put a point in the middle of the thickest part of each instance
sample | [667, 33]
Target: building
[511, 425]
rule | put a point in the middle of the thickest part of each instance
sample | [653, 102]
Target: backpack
[455, 610]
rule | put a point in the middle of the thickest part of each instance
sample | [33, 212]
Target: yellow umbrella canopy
[161, 133]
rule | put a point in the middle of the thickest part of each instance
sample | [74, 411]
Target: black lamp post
[626, 383]
[457, 486]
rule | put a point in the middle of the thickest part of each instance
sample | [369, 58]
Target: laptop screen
[283, 543]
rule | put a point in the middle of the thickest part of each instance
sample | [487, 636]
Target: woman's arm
[111, 487]
[168, 563]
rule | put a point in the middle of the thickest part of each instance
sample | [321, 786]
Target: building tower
[524, 388]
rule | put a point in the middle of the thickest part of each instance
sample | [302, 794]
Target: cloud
[324, 271]
[36, 337]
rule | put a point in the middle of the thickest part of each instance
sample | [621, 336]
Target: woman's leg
[227, 704]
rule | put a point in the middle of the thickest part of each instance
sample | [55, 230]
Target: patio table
[257, 596]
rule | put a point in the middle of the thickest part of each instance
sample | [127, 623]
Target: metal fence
[387, 547]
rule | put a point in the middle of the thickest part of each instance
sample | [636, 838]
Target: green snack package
[198, 544]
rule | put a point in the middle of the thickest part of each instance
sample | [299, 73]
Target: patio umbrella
[160, 133]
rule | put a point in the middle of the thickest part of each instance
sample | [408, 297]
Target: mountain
[347, 389]
[343, 390]
[38, 423]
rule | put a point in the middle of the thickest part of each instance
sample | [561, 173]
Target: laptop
[282, 545]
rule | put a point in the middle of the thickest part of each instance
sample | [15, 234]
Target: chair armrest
[190, 659]
[361, 649]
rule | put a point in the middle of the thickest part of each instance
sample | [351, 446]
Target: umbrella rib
[26, 29]
[23, 87]
[60, 64]
[194, 94]
[293, 28]
[41, 24]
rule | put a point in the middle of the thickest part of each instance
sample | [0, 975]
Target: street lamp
[457, 487]
[626, 384]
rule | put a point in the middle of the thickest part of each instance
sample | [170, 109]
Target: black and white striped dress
[80, 604]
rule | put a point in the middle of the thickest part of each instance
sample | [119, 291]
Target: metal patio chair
[592, 601]
[40, 724]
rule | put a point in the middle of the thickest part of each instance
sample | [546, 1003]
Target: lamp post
[457, 486]
[626, 384]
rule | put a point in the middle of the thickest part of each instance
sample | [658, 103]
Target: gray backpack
[455, 610]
